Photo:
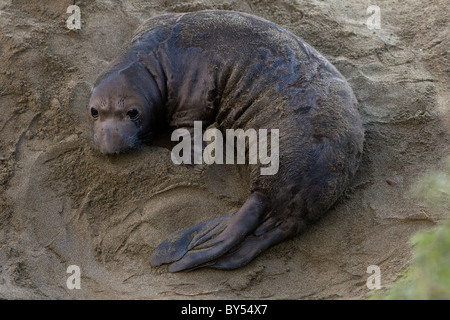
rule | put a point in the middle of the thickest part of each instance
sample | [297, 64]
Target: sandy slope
[61, 203]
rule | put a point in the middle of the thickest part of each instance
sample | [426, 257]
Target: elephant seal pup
[237, 71]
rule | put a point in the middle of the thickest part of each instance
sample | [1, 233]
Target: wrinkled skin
[237, 71]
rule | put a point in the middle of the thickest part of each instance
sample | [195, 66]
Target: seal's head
[121, 111]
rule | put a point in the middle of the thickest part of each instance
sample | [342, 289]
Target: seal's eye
[133, 114]
[94, 113]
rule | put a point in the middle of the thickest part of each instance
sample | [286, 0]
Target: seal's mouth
[110, 145]
[113, 137]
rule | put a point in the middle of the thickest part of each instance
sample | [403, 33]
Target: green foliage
[429, 276]
[435, 186]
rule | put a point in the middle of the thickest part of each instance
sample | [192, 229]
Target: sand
[62, 203]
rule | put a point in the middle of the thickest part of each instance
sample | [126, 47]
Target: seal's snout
[112, 137]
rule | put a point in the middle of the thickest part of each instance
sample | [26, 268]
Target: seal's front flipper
[176, 246]
[253, 245]
[207, 241]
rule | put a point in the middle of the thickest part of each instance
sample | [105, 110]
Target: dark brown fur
[237, 71]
